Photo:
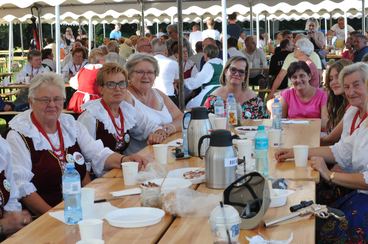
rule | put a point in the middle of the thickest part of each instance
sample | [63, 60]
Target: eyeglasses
[47, 100]
[141, 73]
[112, 84]
[235, 71]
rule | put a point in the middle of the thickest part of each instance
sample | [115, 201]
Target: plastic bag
[188, 202]
[152, 171]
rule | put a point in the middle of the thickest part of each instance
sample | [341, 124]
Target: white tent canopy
[164, 11]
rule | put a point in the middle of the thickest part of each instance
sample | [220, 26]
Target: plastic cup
[245, 150]
[87, 202]
[274, 137]
[130, 172]
[91, 241]
[220, 123]
[160, 151]
[222, 219]
[301, 155]
[90, 229]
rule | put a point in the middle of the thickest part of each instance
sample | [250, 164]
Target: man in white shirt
[195, 36]
[339, 30]
[211, 32]
[169, 70]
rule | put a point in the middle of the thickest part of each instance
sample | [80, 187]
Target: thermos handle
[185, 126]
[200, 144]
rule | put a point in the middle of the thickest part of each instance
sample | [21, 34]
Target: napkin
[259, 240]
[127, 192]
[175, 143]
[300, 122]
[99, 210]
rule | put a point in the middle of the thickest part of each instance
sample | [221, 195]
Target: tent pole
[104, 30]
[346, 24]
[157, 28]
[180, 60]
[40, 32]
[142, 24]
[94, 36]
[363, 16]
[257, 29]
[90, 34]
[21, 37]
[51, 31]
[57, 39]
[269, 30]
[11, 35]
[326, 30]
[251, 17]
[224, 32]
[201, 23]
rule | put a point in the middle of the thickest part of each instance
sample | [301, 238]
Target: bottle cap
[261, 127]
[276, 100]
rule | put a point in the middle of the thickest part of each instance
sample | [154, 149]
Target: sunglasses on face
[235, 71]
[113, 84]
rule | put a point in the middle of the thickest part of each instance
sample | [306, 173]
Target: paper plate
[134, 217]
[248, 132]
[179, 173]
[171, 184]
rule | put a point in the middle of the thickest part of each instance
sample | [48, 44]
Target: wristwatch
[332, 176]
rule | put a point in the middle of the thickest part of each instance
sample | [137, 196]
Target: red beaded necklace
[58, 152]
[119, 130]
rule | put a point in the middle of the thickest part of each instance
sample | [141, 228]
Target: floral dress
[251, 109]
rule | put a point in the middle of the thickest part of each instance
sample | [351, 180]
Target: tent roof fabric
[129, 11]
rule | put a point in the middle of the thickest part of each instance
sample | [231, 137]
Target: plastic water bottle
[231, 108]
[276, 114]
[261, 151]
[72, 195]
[219, 107]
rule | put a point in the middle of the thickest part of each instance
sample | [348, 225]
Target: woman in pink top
[303, 100]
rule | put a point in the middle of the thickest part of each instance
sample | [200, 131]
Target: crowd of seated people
[126, 93]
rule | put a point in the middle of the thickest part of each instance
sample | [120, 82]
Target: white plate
[134, 217]
[171, 184]
[179, 173]
[248, 132]
[279, 197]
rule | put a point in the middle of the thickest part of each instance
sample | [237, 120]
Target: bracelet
[122, 158]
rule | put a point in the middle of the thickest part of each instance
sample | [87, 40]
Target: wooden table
[197, 229]
[178, 230]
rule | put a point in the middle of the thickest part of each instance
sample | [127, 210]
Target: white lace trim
[96, 109]
[22, 123]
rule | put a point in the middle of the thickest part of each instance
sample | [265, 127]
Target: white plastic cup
[130, 172]
[220, 123]
[301, 155]
[245, 149]
[222, 219]
[274, 137]
[90, 229]
[87, 202]
[160, 152]
[91, 241]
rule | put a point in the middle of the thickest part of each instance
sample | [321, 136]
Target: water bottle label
[71, 187]
[219, 111]
[261, 143]
[230, 162]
